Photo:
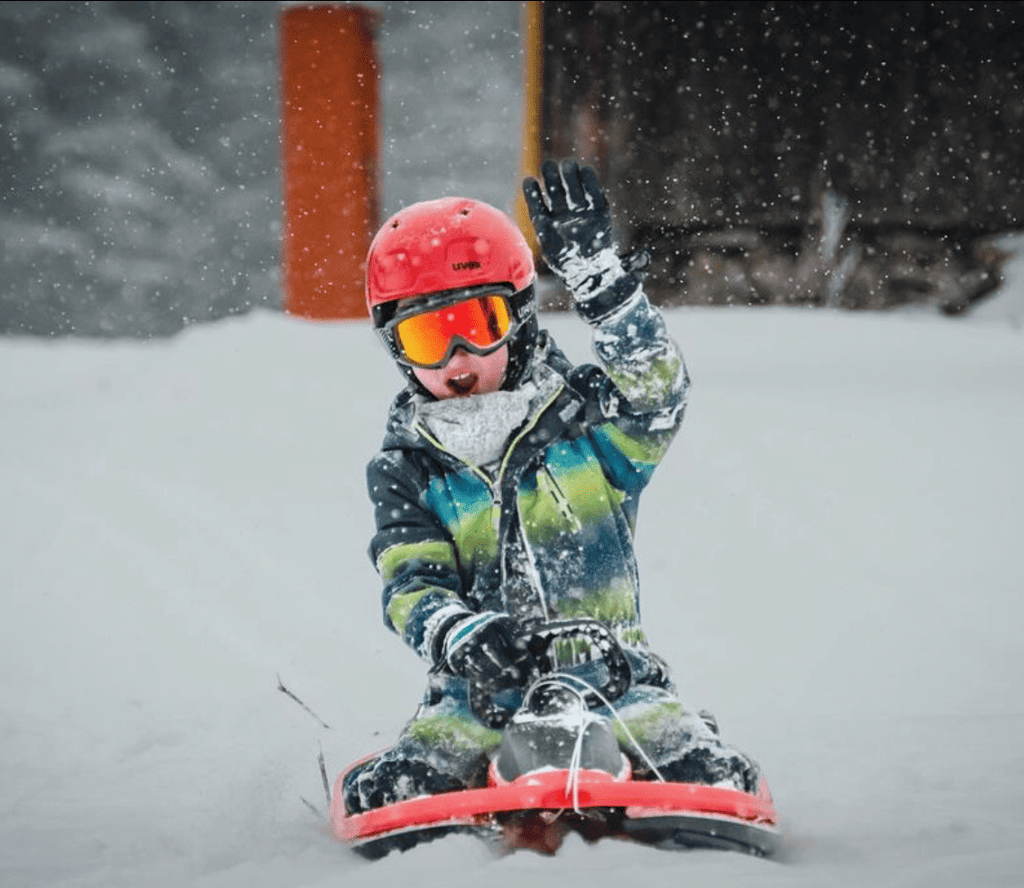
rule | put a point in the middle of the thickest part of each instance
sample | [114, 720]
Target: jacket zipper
[495, 490]
[534, 574]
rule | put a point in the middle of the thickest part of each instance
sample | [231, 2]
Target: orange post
[330, 147]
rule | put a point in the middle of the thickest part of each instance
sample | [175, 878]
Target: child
[506, 488]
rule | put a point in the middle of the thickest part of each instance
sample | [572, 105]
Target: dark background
[858, 155]
[848, 153]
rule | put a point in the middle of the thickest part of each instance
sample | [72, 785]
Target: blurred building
[851, 154]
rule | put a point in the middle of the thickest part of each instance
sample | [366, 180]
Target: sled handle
[620, 674]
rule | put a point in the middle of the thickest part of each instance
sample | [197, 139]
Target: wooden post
[533, 82]
[330, 148]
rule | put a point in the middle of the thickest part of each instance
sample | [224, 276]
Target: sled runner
[560, 769]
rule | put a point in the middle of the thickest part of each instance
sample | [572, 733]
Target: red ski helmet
[447, 244]
[450, 245]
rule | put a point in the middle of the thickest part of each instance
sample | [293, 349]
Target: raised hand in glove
[573, 224]
[489, 651]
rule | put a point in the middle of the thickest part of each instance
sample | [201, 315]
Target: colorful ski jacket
[547, 532]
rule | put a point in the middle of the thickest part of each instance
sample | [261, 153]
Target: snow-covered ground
[831, 558]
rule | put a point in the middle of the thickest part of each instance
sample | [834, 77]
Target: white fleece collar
[477, 429]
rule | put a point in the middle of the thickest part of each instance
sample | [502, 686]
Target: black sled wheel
[694, 833]
[375, 849]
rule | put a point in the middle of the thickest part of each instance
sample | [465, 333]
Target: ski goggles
[427, 332]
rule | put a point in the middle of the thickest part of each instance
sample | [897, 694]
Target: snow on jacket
[547, 532]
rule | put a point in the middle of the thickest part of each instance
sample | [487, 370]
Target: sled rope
[579, 688]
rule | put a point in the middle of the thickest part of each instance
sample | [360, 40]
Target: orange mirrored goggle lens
[481, 322]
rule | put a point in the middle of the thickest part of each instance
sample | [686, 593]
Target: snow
[830, 555]
[831, 559]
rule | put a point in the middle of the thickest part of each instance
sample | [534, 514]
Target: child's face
[465, 374]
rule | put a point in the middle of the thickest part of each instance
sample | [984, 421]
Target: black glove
[489, 650]
[574, 229]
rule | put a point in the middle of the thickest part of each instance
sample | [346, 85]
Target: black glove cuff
[440, 635]
[605, 302]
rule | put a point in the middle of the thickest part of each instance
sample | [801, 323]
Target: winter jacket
[547, 533]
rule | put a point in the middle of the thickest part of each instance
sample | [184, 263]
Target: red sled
[538, 810]
[558, 770]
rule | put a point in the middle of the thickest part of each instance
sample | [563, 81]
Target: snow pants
[444, 747]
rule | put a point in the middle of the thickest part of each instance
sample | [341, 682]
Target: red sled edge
[553, 791]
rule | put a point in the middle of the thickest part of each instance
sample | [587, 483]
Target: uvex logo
[464, 266]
